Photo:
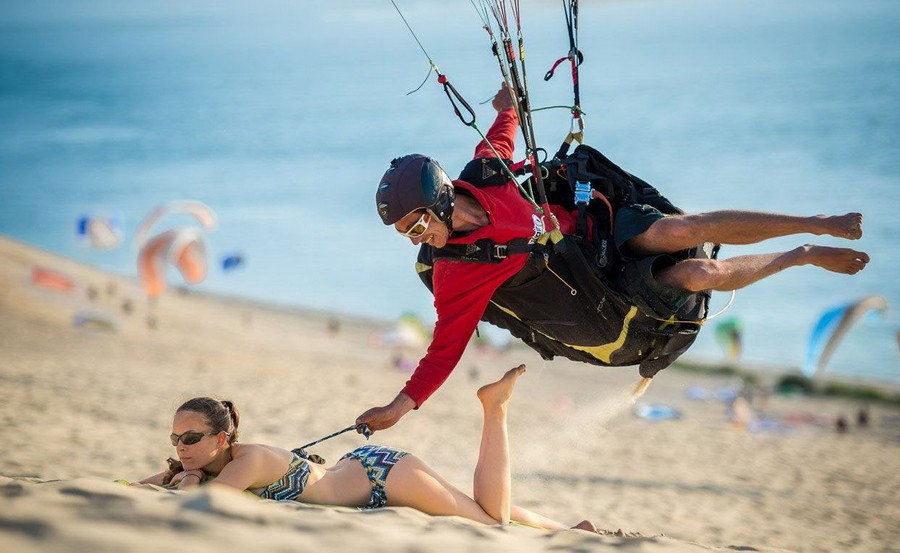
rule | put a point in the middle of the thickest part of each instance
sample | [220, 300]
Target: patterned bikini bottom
[378, 462]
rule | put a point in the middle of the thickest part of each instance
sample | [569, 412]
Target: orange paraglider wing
[183, 248]
[52, 280]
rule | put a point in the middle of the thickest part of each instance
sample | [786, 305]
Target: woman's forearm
[191, 479]
[156, 479]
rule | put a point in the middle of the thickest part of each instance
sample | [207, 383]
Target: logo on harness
[538, 223]
[602, 260]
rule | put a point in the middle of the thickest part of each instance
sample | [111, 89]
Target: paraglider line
[701, 322]
[727, 305]
[414, 36]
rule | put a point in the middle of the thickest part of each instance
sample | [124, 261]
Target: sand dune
[88, 401]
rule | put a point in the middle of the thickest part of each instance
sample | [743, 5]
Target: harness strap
[486, 250]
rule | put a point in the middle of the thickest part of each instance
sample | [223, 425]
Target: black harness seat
[570, 299]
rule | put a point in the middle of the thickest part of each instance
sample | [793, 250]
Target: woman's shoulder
[257, 450]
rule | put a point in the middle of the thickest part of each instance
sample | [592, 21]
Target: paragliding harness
[576, 296]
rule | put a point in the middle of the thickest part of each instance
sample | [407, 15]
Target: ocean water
[282, 115]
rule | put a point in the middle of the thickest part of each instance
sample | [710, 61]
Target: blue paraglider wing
[83, 226]
[232, 261]
[831, 328]
[100, 230]
[821, 333]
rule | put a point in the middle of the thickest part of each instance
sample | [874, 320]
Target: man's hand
[379, 418]
[503, 99]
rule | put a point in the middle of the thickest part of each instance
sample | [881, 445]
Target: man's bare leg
[678, 232]
[731, 274]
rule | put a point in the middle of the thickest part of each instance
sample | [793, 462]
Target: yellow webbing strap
[602, 352]
[421, 268]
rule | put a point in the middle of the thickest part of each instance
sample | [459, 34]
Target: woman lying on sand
[205, 431]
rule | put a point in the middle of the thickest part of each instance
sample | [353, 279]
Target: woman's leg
[523, 515]
[414, 484]
[492, 473]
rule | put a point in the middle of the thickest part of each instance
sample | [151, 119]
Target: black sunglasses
[189, 438]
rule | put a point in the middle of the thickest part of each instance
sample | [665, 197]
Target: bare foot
[498, 393]
[585, 525]
[838, 260]
[844, 226]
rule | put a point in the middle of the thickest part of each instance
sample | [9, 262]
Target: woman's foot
[498, 394]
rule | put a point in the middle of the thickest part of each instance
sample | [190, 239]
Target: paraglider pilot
[424, 205]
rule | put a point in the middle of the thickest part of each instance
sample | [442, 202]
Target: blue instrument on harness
[582, 192]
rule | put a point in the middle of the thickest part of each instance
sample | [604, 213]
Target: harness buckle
[582, 192]
[500, 251]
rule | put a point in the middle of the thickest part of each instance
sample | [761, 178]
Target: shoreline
[835, 384]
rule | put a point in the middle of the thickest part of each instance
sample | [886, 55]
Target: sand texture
[85, 404]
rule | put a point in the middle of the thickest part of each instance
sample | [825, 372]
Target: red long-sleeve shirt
[462, 290]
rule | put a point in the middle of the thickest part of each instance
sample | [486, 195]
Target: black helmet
[414, 182]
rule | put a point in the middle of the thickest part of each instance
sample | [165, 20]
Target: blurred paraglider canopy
[408, 332]
[831, 328]
[102, 231]
[184, 248]
[232, 261]
[200, 211]
[729, 332]
[51, 279]
[96, 320]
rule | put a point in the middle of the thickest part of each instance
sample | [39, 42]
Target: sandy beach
[90, 373]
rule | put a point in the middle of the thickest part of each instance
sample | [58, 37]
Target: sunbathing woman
[205, 433]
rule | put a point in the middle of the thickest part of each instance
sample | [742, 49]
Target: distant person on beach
[205, 432]
[862, 417]
[841, 424]
[487, 254]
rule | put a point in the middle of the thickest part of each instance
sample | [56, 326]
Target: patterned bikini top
[290, 486]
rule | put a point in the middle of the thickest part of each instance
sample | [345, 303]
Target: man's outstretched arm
[460, 299]
[379, 418]
[502, 134]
